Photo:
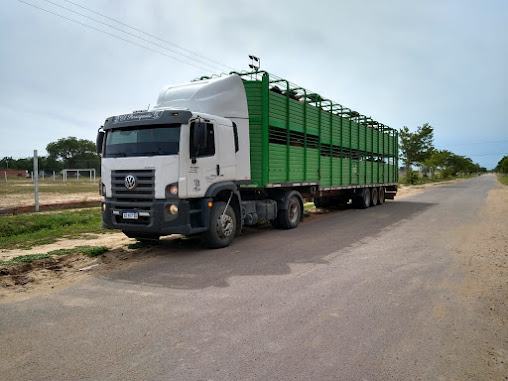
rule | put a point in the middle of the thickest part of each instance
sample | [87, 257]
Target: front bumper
[154, 217]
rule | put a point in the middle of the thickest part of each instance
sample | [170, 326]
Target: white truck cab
[163, 168]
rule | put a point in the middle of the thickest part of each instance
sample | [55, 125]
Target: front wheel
[222, 226]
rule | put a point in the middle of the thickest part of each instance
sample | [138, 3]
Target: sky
[404, 63]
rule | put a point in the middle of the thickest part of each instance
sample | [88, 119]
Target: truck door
[203, 172]
[227, 149]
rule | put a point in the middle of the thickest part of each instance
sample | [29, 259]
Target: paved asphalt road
[350, 295]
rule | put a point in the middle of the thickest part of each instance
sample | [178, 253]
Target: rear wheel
[374, 197]
[290, 215]
[222, 226]
[363, 201]
[381, 195]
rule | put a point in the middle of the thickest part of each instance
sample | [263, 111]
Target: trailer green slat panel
[330, 141]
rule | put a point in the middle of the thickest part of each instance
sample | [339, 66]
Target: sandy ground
[39, 277]
[43, 276]
[12, 200]
[483, 256]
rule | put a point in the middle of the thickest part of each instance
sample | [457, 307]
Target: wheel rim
[224, 225]
[293, 211]
[374, 197]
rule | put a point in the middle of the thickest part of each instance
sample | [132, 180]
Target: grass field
[26, 231]
[26, 186]
[503, 179]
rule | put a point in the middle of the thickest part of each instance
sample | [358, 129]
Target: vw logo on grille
[130, 182]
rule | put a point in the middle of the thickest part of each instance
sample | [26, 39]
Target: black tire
[381, 195]
[290, 215]
[275, 223]
[221, 231]
[363, 201]
[373, 197]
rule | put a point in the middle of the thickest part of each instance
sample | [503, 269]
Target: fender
[214, 189]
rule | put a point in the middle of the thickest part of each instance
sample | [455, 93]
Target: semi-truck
[220, 153]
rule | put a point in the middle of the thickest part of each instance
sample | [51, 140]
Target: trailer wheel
[381, 195]
[363, 201]
[289, 217]
[222, 226]
[374, 197]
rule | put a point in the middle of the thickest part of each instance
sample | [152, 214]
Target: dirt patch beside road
[481, 252]
[42, 276]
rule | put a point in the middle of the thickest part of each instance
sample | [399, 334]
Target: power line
[132, 35]
[113, 35]
[150, 35]
[490, 154]
[467, 144]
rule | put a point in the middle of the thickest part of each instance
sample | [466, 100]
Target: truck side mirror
[199, 137]
[99, 141]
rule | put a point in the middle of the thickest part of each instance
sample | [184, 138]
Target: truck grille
[144, 189]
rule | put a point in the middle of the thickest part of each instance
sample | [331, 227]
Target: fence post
[5, 173]
[54, 176]
[36, 181]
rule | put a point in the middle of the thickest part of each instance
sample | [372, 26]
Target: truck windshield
[142, 141]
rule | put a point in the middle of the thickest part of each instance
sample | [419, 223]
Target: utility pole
[36, 180]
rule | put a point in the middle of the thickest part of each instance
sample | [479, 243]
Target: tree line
[417, 148]
[70, 153]
[502, 166]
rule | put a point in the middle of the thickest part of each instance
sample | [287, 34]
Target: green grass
[16, 186]
[25, 231]
[24, 259]
[89, 251]
[503, 179]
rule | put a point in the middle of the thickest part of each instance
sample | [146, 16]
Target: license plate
[130, 215]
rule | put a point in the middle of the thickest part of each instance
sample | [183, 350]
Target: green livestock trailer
[297, 137]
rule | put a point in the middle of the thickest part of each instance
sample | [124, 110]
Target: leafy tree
[437, 160]
[73, 153]
[502, 166]
[457, 164]
[416, 147]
